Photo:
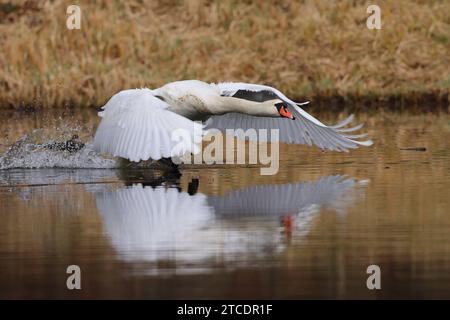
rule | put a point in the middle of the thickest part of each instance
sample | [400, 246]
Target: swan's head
[268, 108]
[283, 111]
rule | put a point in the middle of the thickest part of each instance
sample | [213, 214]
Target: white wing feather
[136, 125]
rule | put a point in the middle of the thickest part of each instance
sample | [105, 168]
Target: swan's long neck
[230, 104]
[194, 103]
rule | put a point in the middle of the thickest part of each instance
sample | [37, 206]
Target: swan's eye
[279, 106]
[283, 111]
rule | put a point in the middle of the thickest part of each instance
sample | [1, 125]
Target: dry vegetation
[317, 50]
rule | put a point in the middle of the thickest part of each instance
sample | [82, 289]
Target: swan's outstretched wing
[136, 125]
[305, 129]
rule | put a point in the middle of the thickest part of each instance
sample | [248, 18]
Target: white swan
[138, 124]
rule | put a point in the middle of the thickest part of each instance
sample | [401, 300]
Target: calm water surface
[310, 231]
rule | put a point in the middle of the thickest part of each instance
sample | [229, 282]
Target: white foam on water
[26, 152]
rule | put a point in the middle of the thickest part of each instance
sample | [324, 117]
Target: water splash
[34, 150]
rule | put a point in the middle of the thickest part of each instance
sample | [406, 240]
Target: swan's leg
[193, 187]
[170, 169]
[150, 177]
[163, 165]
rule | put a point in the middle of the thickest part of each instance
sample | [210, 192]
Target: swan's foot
[169, 168]
[165, 165]
[168, 163]
[150, 177]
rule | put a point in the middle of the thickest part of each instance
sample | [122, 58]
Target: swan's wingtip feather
[366, 143]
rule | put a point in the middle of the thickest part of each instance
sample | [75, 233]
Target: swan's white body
[138, 124]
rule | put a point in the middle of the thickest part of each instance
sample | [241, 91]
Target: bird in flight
[137, 124]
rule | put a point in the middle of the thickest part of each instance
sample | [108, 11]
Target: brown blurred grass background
[316, 50]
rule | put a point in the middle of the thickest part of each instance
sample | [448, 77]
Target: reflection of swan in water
[151, 224]
[282, 199]
[144, 218]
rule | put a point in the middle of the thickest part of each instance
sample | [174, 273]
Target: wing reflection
[152, 224]
[150, 219]
[283, 199]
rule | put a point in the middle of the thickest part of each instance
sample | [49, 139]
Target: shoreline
[417, 102]
[326, 54]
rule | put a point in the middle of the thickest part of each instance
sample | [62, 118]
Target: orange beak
[284, 112]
